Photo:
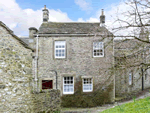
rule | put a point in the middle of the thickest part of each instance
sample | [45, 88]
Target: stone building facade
[80, 59]
[68, 53]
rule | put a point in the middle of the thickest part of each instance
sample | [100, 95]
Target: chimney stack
[102, 19]
[45, 14]
[32, 31]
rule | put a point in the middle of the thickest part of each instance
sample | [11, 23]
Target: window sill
[60, 58]
[87, 91]
[68, 93]
[97, 56]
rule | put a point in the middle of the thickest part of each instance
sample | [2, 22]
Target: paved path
[104, 107]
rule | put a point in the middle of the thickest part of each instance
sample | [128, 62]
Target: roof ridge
[15, 36]
[75, 22]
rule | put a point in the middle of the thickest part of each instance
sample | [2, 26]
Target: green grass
[137, 106]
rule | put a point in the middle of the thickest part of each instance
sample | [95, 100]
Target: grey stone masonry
[79, 61]
[15, 73]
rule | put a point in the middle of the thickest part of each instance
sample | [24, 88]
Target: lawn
[137, 106]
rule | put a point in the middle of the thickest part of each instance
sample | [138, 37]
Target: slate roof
[71, 28]
[127, 47]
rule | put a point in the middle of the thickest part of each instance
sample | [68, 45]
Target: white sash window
[98, 49]
[60, 49]
[68, 85]
[87, 85]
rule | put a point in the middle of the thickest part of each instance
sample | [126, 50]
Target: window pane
[47, 84]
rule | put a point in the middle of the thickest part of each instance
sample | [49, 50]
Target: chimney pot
[102, 11]
[102, 19]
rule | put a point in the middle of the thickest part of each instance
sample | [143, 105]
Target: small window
[47, 84]
[87, 85]
[98, 49]
[68, 85]
[60, 49]
[145, 76]
[146, 72]
[130, 78]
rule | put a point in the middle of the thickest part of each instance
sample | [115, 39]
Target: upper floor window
[60, 49]
[87, 85]
[98, 49]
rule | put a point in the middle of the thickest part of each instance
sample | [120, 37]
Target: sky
[20, 15]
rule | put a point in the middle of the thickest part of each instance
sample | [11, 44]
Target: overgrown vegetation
[90, 99]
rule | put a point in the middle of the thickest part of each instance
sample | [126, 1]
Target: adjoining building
[15, 72]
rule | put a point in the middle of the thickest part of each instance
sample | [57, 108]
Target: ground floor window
[47, 84]
[130, 78]
[68, 85]
[87, 85]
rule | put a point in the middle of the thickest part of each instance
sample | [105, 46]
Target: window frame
[130, 73]
[98, 48]
[83, 85]
[59, 57]
[68, 84]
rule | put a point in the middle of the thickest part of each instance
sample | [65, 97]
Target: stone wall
[48, 101]
[15, 74]
[79, 61]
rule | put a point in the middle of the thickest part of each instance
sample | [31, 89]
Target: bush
[86, 99]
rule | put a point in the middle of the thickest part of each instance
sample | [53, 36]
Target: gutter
[71, 35]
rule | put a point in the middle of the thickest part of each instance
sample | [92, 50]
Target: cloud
[112, 13]
[80, 20]
[91, 19]
[19, 20]
[85, 6]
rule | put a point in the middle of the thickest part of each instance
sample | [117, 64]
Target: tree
[132, 50]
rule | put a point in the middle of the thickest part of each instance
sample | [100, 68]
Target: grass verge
[137, 106]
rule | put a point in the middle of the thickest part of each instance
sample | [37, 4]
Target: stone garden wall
[46, 101]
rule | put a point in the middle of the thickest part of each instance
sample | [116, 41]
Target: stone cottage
[131, 67]
[76, 58]
[15, 72]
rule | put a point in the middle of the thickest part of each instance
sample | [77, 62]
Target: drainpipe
[113, 69]
[36, 61]
[142, 79]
